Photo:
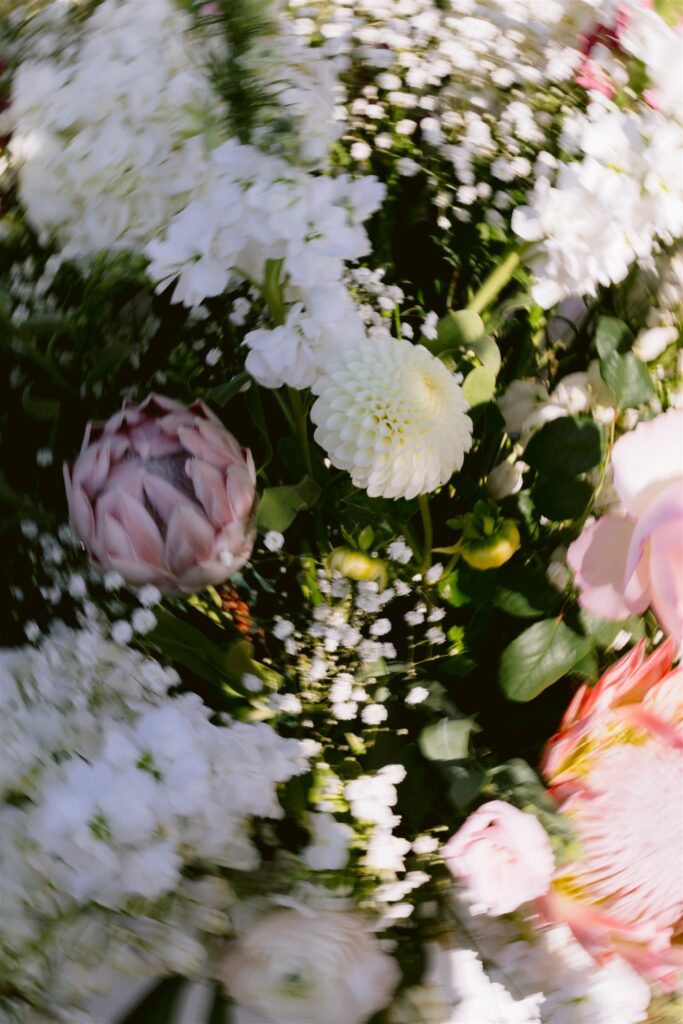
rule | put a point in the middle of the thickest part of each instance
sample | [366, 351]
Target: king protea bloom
[163, 494]
[615, 766]
[391, 414]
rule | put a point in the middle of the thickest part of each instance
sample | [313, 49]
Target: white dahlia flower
[391, 414]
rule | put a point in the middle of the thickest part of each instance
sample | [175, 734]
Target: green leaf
[479, 386]
[188, 646]
[365, 538]
[224, 392]
[447, 740]
[604, 633]
[538, 657]
[279, 505]
[628, 378]
[560, 498]
[465, 784]
[611, 335]
[40, 408]
[566, 446]
[488, 353]
[524, 593]
[158, 1006]
[587, 667]
[109, 360]
[458, 328]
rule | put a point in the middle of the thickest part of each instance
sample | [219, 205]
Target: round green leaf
[538, 657]
[479, 386]
[566, 446]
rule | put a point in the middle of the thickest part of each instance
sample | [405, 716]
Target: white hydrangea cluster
[590, 218]
[106, 132]
[110, 788]
[392, 415]
[252, 207]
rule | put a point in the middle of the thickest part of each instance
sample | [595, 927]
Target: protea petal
[162, 493]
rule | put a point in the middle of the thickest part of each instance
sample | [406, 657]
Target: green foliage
[158, 1006]
[538, 657]
[279, 506]
[566, 446]
[628, 378]
[448, 739]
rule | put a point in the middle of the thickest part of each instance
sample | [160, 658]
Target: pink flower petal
[190, 539]
[648, 458]
[81, 515]
[194, 441]
[141, 528]
[209, 486]
[163, 496]
[666, 571]
[598, 558]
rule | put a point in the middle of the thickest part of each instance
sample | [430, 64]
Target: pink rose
[503, 858]
[629, 560]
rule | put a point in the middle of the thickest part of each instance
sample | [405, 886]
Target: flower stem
[299, 414]
[428, 530]
[496, 281]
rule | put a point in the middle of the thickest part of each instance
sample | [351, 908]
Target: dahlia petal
[189, 539]
[598, 559]
[646, 458]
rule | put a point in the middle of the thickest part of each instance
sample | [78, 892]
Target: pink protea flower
[631, 559]
[616, 769]
[163, 494]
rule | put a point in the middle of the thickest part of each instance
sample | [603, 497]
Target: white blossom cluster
[106, 130]
[113, 120]
[591, 217]
[111, 788]
[250, 207]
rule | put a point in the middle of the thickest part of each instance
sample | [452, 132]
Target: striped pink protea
[616, 769]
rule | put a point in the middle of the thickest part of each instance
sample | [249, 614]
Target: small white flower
[32, 631]
[251, 683]
[282, 629]
[399, 551]
[360, 151]
[122, 631]
[212, 356]
[143, 620]
[149, 595]
[374, 714]
[434, 573]
[417, 695]
[273, 540]
[77, 586]
[380, 627]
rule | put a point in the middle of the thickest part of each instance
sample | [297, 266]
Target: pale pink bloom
[163, 494]
[616, 770]
[629, 560]
[503, 858]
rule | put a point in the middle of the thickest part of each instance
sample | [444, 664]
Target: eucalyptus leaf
[538, 657]
[628, 378]
[566, 446]
[479, 386]
[561, 498]
[611, 335]
[448, 739]
[279, 505]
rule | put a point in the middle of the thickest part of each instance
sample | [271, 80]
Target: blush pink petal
[189, 539]
[598, 558]
[647, 459]
[666, 571]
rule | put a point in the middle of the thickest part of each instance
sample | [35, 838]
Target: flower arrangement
[342, 494]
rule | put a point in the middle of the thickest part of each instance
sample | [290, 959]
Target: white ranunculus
[305, 968]
[391, 414]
